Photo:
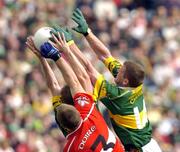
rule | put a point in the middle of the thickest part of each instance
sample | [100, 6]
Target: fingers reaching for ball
[31, 46]
[60, 42]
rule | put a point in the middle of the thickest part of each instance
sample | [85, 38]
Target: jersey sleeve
[113, 65]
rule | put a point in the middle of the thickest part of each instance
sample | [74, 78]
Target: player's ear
[125, 82]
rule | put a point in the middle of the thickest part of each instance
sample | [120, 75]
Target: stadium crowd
[146, 32]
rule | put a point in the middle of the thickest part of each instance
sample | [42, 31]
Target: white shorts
[152, 146]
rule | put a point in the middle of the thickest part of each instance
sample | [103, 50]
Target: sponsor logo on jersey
[82, 100]
[86, 137]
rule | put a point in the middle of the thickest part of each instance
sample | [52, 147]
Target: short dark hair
[66, 95]
[67, 116]
[134, 73]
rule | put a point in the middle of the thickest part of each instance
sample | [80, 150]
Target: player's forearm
[76, 60]
[91, 71]
[78, 68]
[98, 47]
[82, 59]
[51, 80]
[79, 55]
[69, 76]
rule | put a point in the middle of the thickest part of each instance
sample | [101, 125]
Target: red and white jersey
[92, 135]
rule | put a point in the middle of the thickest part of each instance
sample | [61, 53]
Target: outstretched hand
[78, 17]
[66, 31]
[60, 42]
[47, 50]
[31, 46]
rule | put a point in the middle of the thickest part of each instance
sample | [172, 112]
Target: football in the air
[41, 36]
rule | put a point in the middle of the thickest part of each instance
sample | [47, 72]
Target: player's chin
[116, 81]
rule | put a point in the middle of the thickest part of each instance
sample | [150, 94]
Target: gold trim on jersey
[99, 88]
[130, 121]
[136, 93]
[94, 98]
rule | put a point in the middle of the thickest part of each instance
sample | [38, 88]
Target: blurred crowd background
[146, 31]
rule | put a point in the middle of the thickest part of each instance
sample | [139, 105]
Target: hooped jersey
[92, 135]
[126, 108]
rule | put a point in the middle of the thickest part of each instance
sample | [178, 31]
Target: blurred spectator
[143, 31]
[105, 9]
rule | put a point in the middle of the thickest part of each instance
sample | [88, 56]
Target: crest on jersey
[82, 100]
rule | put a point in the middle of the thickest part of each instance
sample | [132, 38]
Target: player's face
[120, 79]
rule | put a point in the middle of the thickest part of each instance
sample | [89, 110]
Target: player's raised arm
[77, 67]
[92, 72]
[99, 48]
[51, 80]
[48, 51]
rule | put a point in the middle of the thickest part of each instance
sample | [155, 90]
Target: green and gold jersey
[126, 107]
[56, 101]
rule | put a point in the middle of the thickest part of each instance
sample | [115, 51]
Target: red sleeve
[84, 103]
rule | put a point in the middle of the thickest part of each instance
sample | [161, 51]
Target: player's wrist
[57, 56]
[41, 59]
[67, 51]
[87, 33]
[70, 42]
